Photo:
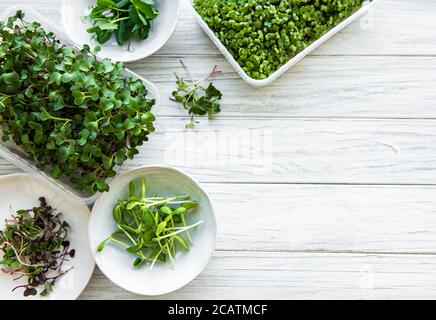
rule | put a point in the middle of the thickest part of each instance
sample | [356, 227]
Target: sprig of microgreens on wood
[35, 246]
[151, 228]
[196, 97]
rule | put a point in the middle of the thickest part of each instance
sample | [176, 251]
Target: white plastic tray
[260, 83]
[11, 152]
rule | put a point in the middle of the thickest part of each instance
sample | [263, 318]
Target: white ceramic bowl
[73, 11]
[21, 191]
[116, 263]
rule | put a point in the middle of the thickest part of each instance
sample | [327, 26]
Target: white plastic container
[11, 152]
[260, 83]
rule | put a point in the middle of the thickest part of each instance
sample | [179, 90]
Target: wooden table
[323, 182]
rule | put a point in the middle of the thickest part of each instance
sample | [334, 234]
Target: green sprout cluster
[151, 228]
[262, 35]
[197, 98]
[71, 114]
[34, 246]
[126, 19]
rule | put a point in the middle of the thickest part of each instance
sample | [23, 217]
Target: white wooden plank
[7, 168]
[237, 275]
[297, 150]
[393, 27]
[369, 87]
[325, 218]
[396, 27]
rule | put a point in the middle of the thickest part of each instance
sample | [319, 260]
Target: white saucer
[22, 191]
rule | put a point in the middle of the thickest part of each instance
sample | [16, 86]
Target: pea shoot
[35, 246]
[126, 19]
[74, 116]
[196, 98]
[152, 228]
[262, 35]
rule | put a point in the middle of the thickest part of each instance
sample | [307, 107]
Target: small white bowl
[116, 263]
[22, 191]
[73, 11]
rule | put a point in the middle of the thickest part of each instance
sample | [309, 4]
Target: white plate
[73, 11]
[116, 263]
[291, 62]
[21, 191]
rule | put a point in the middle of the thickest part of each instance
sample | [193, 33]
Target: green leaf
[106, 25]
[147, 117]
[79, 97]
[138, 262]
[190, 204]
[135, 249]
[120, 34]
[105, 3]
[144, 8]
[102, 245]
[182, 241]
[56, 172]
[213, 92]
[166, 210]
[122, 3]
[107, 162]
[10, 77]
[24, 139]
[56, 77]
[103, 36]
[117, 215]
[101, 185]
[129, 124]
[180, 210]
[132, 188]
[133, 205]
[93, 126]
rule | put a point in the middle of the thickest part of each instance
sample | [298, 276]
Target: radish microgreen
[73, 115]
[35, 246]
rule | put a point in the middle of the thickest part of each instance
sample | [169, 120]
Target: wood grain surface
[323, 182]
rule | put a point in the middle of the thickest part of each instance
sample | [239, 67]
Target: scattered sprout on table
[196, 98]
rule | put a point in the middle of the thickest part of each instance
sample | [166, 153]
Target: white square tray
[11, 152]
[260, 83]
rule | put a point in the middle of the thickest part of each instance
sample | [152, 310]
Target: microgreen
[35, 246]
[73, 115]
[262, 35]
[151, 228]
[197, 98]
[126, 19]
